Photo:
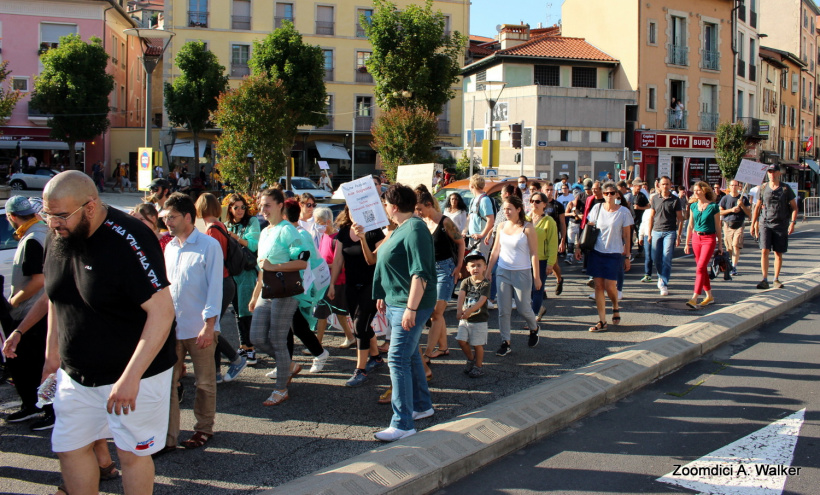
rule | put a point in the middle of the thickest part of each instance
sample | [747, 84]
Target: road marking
[757, 464]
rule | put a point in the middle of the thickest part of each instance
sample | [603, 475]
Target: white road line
[757, 464]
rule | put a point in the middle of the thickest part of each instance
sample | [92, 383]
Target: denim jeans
[663, 247]
[410, 392]
[647, 260]
[538, 295]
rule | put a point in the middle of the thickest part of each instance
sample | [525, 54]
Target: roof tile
[558, 47]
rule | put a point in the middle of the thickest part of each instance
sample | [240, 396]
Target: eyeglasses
[239, 207]
[62, 218]
[171, 217]
[309, 205]
[609, 193]
[536, 201]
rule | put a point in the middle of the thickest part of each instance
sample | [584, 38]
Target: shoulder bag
[276, 285]
[589, 236]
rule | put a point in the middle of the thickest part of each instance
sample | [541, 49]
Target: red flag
[810, 144]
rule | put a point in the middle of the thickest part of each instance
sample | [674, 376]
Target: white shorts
[81, 417]
[474, 334]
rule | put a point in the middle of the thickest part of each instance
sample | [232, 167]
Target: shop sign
[679, 141]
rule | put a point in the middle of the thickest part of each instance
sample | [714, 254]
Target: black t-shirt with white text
[97, 300]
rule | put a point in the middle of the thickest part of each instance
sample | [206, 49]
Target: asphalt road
[739, 389]
[325, 423]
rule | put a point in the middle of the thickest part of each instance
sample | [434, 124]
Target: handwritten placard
[364, 203]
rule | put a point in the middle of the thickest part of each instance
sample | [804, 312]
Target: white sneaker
[592, 296]
[664, 291]
[620, 295]
[319, 362]
[306, 352]
[491, 305]
[423, 414]
[271, 374]
[660, 283]
[392, 434]
[513, 304]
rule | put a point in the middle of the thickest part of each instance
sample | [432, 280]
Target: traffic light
[515, 135]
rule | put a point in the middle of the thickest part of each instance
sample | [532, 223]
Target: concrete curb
[443, 453]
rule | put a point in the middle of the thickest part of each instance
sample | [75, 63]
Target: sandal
[441, 352]
[601, 326]
[559, 287]
[198, 440]
[276, 397]
[293, 372]
[426, 359]
[386, 397]
[616, 316]
[110, 472]
[429, 376]
[384, 348]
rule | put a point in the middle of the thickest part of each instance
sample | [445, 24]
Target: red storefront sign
[678, 141]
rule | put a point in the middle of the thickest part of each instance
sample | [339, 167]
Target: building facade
[229, 28]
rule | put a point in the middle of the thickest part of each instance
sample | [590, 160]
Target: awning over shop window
[39, 145]
[813, 165]
[186, 148]
[790, 164]
[333, 151]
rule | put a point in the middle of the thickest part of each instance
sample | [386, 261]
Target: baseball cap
[772, 168]
[637, 182]
[158, 183]
[20, 205]
[474, 255]
[587, 183]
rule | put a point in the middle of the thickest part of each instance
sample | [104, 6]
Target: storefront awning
[813, 165]
[333, 151]
[794, 165]
[39, 145]
[186, 148]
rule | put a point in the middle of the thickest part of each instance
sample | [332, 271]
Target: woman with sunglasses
[307, 203]
[244, 228]
[611, 253]
[705, 224]
[547, 231]
[516, 252]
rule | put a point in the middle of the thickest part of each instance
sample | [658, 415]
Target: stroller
[721, 262]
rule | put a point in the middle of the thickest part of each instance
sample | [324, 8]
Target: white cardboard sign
[751, 172]
[364, 203]
[413, 175]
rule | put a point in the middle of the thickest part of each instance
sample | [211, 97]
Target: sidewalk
[446, 452]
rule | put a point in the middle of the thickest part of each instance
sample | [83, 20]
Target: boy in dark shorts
[473, 315]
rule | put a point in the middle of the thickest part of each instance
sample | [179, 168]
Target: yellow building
[229, 28]
[667, 50]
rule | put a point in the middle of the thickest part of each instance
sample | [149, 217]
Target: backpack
[478, 205]
[239, 258]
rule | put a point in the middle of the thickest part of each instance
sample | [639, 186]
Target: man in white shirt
[194, 264]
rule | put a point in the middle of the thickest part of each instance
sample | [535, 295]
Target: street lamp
[492, 92]
[153, 42]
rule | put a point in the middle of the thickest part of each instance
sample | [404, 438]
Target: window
[122, 98]
[50, 34]
[740, 43]
[324, 20]
[652, 34]
[678, 31]
[19, 84]
[113, 100]
[327, 55]
[564, 136]
[751, 107]
[241, 15]
[480, 77]
[367, 14]
[546, 75]
[653, 99]
[782, 114]
[364, 113]
[792, 117]
[114, 45]
[239, 60]
[791, 150]
[604, 136]
[678, 53]
[328, 113]
[795, 83]
[711, 57]
[198, 13]
[739, 104]
[446, 25]
[584, 77]
[362, 75]
[784, 79]
[284, 12]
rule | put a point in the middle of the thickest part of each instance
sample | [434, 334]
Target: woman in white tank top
[515, 251]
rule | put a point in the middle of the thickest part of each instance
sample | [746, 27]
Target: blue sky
[486, 14]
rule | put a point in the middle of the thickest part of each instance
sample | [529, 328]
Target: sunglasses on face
[309, 205]
[240, 207]
[610, 193]
[536, 201]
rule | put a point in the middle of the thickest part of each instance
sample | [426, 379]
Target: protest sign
[751, 172]
[364, 203]
[413, 175]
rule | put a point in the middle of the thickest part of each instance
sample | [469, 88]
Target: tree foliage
[404, 136]
[192, 98]
[283, 56]
[73, 89]
[730, 147]
[8, 97]
[255, 121]
[412, 52]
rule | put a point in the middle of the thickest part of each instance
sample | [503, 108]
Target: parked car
[301, 185]
[31, 178]
[492, 187]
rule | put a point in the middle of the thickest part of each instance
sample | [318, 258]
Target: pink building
[31, 27]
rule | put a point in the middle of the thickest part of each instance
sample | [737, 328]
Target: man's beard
[74, 245]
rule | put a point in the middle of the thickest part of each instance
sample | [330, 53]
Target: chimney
[513, 34]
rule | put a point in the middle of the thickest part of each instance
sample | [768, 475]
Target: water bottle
[46, 391]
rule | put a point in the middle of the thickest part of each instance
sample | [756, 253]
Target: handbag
[589, 236]
[276, 285]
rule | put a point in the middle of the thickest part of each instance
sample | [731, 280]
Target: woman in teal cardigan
[243, 227]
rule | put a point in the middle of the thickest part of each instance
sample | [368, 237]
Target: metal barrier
[811, 207]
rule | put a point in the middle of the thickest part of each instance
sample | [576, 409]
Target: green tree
[412, 52]
[8, 97]
[255, 141]
[73, 90]
[463, 166]
[192, 97]
[404, 136]
[730, 147]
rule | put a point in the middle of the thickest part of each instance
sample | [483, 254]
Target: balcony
[197, 19]
[753, 18]
[711, 59]
[329, 74]
[324, 27]
[443, 126]
[360, 31]
[678, 55]
[755, 128]
[240, 70]
[364, 123]
[741, 68]
[708, 121]
[277, 21]
[241, 22]
[362, 76]
[752, 72]
[676, 120]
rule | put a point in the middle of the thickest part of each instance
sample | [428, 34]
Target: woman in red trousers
[703, 234]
